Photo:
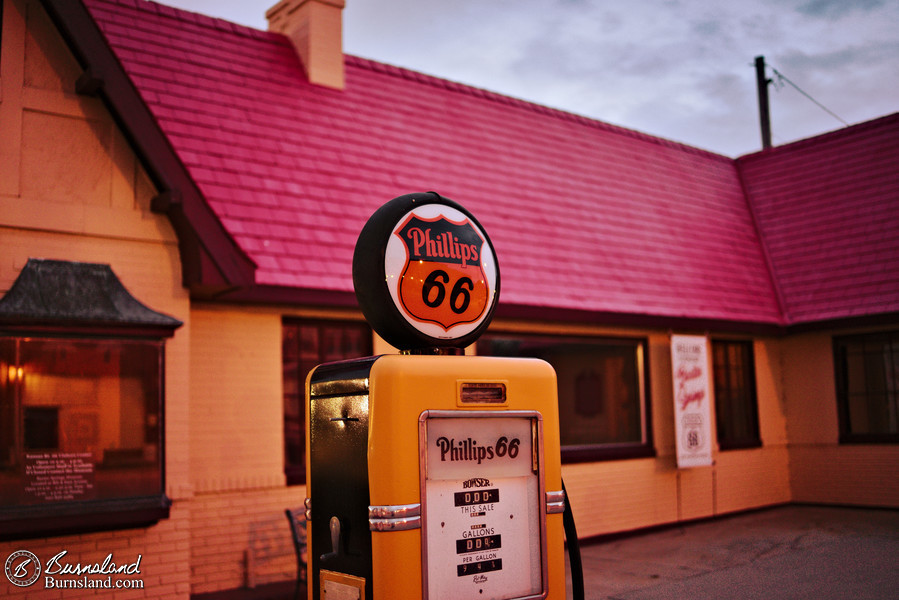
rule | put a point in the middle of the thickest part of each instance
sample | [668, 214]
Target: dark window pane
[588, 394]
[305, 345]
[41, 428]
[736, 407]
[867, 380]
[603, 411]
[81, 420]
[9, 375]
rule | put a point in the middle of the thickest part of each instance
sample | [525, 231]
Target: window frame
[581, 453]
[296, 474]
[754, 440]
[101, 514]
[841, 384]
[85, 301]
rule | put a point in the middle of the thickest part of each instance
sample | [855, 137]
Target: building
[223, 174]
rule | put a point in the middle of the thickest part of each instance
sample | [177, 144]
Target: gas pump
[430, 474]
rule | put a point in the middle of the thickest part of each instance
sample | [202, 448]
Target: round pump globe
[425, 273]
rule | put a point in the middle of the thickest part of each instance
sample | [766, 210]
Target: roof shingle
[828, 210]
[584, 215]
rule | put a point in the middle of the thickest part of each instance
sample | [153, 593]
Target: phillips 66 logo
[443, 281]
[425, 273]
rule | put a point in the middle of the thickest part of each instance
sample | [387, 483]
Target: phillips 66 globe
[425, 273]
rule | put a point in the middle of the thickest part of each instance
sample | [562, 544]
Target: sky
[677, 69]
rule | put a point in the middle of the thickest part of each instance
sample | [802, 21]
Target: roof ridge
[417, 76]
[818, 139]
[454, 86]
[764, 242]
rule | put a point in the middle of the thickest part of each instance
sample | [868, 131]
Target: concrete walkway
[790, 552]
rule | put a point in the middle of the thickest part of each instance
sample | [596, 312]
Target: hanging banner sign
[692, 422]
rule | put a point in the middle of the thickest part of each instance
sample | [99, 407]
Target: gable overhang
[521, 312]
[211, 261]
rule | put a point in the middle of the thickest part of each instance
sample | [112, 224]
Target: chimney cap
[292, 5]
[315, 27]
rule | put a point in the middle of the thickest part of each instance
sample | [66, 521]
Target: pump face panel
[444, 477]
[483, 519]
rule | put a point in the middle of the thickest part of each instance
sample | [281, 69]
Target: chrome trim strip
[555, 502]
[555, 508]
[396, 511]
[403, 524]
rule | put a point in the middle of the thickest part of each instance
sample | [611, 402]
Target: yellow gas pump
[431, 475]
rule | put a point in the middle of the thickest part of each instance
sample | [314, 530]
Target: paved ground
[790, 552]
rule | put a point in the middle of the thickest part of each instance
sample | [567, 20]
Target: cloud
[833, 9]
[674, 68]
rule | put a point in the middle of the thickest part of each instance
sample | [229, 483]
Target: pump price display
[481, 508]
[490, 542]
[476, 497]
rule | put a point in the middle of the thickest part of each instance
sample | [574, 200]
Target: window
[603, 406]
[867, 378]
[81, 420]
[305, 345]
[736, 408]
[81, 403]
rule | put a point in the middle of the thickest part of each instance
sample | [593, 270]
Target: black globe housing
[370, 279]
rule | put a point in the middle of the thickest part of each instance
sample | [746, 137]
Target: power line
[781, 77]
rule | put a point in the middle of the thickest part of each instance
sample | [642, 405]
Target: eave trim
[210, 257]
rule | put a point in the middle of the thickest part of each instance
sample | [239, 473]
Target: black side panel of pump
[338, 478]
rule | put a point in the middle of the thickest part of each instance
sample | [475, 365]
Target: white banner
[692, 423]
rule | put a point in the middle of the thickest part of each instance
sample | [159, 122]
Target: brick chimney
[315, 28]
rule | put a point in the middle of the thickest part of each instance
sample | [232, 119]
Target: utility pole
[764, 114]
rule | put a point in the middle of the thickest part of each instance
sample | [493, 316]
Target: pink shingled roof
[828, 209]
[584, 215]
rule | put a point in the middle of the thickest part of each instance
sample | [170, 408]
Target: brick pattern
[242, 539]
[164, 563]
[237, 407]
[857, 475]
[619, 496]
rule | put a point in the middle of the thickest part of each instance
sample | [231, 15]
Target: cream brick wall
[164, 551]
[72, 189]
[822, 469]
[239, 532]
[237, 407]
[242, 539]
